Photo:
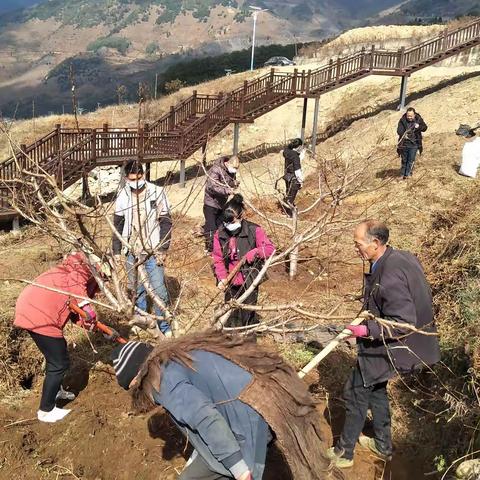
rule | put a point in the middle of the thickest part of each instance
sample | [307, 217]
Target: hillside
[425, 427]
[124, 43]
[426, 11]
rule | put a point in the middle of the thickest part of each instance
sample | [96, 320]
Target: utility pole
[156, 85]
[256, 11]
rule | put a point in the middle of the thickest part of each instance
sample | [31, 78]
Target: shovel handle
[329, 348]
[98, 325]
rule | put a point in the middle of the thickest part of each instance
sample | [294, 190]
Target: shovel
[332, 345]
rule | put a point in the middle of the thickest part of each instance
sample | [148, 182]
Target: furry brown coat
[276, 393]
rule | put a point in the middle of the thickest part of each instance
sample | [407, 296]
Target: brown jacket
[219, 184]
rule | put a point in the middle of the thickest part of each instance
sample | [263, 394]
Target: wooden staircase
[188, 126]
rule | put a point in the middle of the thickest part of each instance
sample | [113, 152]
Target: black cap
[127, 361]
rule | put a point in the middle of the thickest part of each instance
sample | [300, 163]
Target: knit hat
[127, 361]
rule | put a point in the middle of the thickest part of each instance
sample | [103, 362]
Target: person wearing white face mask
[238, 238]
[293, 175]
[142, 218]
[221, 182]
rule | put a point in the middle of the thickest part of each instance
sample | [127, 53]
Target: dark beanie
[127, 360]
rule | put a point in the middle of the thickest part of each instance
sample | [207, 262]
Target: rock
[469, 470]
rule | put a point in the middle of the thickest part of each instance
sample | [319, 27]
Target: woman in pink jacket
[44, 314]
[235, 239]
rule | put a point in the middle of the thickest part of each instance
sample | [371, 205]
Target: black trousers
[292, 186]
[213, 220]
[358, 399]
[55, 351]
[198, 470]
[239, 317]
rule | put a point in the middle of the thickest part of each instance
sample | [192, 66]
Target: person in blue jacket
[230, 398]
[229, 437]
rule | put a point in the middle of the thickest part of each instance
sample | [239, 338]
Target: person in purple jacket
[221, 183]
[235, 239]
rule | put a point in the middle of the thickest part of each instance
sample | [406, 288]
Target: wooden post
[362, 59]
[294, 81]
[304, 119]
[93, 154]
[244, 94]
[372, 57]
[58, 142]
[445, 40]
[105, 139]
[337, 77]
[270, 84]
[330, 70]
[194, 103]
[171, 118]
[401, 58]
[307, 86]
[22, 158]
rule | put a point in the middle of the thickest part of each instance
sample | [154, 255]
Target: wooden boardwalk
[188, 126]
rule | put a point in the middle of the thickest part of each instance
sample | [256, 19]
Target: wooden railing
[66, 153]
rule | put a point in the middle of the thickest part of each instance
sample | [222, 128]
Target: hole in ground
[27, 382]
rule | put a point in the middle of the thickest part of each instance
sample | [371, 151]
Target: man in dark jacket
[409, 130]
[293, 174]
[395, 289]
[221, 182]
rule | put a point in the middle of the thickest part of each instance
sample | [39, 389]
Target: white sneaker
[53, 415]
[64, 395]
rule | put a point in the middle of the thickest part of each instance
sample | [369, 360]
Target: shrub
[121, 44]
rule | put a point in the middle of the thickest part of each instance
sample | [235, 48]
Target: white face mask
[231, 227]
[136, 184]
[231, 169]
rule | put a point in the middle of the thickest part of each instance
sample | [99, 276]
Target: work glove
[89, 323]
[251, 255]
[160, 257]
[222, 285]
[245, 476]
[358, 330]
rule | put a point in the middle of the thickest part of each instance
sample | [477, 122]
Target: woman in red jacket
[235, 239]
[44, 314]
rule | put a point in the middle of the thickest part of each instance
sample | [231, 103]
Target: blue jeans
[408, 159]
[156, 275]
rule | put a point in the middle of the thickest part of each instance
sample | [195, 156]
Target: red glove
[251, 255]
[90, 321]
[358, 330]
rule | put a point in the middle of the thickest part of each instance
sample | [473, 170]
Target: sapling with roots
[37, 194]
